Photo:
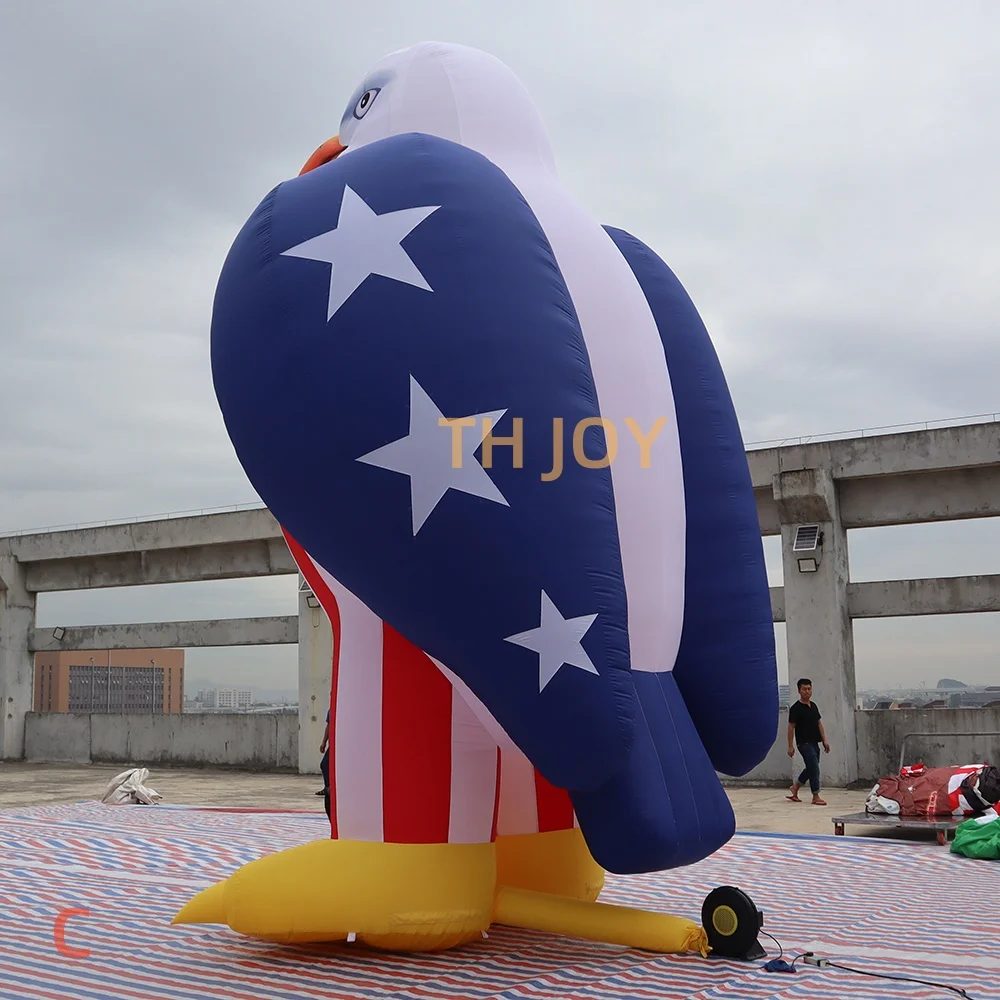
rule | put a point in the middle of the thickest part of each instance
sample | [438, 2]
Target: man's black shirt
[805, 718]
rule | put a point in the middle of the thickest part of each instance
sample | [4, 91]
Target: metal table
[943, 826]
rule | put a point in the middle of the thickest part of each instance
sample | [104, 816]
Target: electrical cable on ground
[901, 979]
[778, 965]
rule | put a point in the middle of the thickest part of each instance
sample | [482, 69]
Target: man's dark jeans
[810, 754]
[324, 766]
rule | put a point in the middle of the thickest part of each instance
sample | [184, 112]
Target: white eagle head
[451, 91]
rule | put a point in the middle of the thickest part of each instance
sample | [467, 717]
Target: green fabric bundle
[979, 838]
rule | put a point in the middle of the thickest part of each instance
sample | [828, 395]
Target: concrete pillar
[315, 678]
[17, 619]
[818, 628]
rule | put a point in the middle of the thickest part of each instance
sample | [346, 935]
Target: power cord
[779, 965]
[781, 951]
[900, 979]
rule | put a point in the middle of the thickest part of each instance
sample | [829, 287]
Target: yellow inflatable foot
[399, 897]
[428, 897]
[558, 862]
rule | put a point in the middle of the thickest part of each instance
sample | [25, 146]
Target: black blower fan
[732, 923]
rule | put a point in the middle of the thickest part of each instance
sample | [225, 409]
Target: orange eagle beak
[330, 150]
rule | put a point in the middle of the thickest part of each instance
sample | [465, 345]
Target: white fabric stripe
[482, 713]
[632, 382]
[518, 800]
[358, 722]
[473, 776]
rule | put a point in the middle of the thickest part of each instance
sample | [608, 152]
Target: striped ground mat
[881, 906]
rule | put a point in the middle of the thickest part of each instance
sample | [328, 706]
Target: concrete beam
[226, 561]
[920, 497]
[943, 596]
[767, 511]
[804, 496]
[171, 635]
[943, 448]
[144, 536]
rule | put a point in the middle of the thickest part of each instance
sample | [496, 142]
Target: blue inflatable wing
[717, 709]
[373, 317]
[725, 668]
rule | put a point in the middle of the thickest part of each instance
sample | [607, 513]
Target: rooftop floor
[885, 906]
[21, 784]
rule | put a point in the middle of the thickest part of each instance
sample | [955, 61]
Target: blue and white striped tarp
[883, 906]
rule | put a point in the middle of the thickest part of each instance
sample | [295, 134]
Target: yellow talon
[208, 907]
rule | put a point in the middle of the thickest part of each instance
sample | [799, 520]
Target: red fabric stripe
[555, 810]
[329, 605]
[496, 800]
[416, 744]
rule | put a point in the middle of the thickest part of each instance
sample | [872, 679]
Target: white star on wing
[425, 455]
[364, 244]
[556, 641]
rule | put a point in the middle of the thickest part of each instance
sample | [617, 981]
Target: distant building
[226, 699]
[234, 699]
[119, 681]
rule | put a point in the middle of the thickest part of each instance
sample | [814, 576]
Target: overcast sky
[822, 178]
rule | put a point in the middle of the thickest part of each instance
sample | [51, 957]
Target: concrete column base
[315, 680]
[17, 619]
[818, 630]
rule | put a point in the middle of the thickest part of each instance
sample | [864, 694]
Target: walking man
[805, 724]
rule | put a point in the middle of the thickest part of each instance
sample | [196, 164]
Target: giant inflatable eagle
[505, 457]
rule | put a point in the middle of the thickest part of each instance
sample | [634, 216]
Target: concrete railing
[880, 736]
[270, 742]
[246, 740]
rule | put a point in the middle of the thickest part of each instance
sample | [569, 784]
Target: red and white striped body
[414, 757]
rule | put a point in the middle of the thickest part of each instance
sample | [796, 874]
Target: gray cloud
[821, 178]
